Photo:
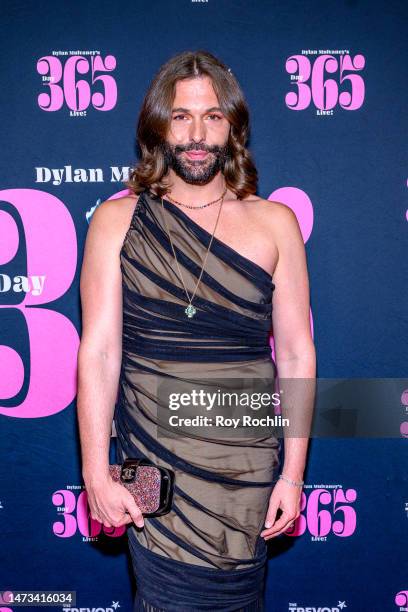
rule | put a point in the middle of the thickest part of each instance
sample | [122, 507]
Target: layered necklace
[191, 310]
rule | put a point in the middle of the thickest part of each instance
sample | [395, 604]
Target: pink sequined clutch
[151, 485]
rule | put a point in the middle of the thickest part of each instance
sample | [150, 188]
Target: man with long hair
[176, 287]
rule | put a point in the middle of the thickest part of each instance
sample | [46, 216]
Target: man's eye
[212, 116]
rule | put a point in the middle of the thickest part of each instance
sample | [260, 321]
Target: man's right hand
[109, 502]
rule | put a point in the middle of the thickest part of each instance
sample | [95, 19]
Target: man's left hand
[286, 497]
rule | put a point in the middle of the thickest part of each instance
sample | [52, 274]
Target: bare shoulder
[111, 219]
[275, 230]
[275, 213]
[277, 219]
[115, 209]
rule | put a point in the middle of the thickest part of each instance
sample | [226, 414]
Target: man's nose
[197, 130]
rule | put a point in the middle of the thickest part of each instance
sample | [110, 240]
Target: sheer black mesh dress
[206, 553]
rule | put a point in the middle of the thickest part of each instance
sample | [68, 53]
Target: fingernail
[268, 524]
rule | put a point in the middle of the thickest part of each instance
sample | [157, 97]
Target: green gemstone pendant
[190, 311]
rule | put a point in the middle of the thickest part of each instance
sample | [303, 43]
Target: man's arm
[294, 347]
[99, 357]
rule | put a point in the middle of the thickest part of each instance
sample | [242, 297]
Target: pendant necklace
[191, 310]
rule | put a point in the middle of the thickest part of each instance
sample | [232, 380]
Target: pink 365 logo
[314, 85]
[401, 600]
[65, 83]
[4, 597]
[76, 517]
[326, 511]
[404, 424]
[38, 344]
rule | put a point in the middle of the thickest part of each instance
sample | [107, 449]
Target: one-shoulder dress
[207, 552]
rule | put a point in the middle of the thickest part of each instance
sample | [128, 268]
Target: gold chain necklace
[191, 310]
[203, 206]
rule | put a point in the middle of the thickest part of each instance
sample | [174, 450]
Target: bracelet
[292, 482]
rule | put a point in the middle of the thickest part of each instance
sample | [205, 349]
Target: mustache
[198, 147]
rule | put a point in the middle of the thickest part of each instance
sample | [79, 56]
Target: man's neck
[196, 194]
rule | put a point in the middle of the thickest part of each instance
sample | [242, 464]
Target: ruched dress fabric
[206, 553]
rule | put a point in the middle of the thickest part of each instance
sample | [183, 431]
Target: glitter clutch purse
[150, 485]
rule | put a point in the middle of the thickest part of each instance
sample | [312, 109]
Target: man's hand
[286, 497]
[111, 503]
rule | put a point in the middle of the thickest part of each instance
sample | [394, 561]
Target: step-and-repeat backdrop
[326, 86]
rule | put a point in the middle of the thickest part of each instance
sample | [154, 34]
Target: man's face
[196, 144]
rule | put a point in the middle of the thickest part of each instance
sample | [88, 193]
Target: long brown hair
[239, 170]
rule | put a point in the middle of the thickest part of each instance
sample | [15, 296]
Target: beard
[195, 171]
